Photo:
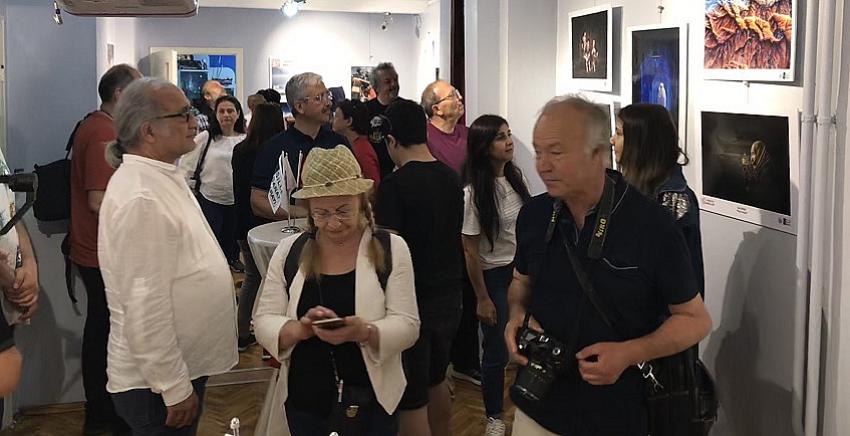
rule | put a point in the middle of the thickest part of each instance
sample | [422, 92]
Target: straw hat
[328, 173]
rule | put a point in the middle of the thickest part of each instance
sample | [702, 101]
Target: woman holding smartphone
[494, 193]
[340, 326]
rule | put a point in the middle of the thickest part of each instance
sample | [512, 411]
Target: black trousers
[466, 344]
[100, 412]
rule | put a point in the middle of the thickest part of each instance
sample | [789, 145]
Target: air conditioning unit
[130, 8]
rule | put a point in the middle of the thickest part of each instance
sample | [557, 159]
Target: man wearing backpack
[90, 174]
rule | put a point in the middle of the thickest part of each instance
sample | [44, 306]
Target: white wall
[749, 269]
[121, 33]
[328, 43]
[430, 43]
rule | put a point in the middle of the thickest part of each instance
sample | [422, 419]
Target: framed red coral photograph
[750, 40]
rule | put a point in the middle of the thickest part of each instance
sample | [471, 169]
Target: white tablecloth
[264, 239]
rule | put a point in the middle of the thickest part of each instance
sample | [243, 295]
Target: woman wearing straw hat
[340, 326]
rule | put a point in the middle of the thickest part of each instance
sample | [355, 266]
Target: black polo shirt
[292, 141]
[644, 267]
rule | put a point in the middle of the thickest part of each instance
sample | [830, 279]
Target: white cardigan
[393, 313]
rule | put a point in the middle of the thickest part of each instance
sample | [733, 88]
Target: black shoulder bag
[680, 396]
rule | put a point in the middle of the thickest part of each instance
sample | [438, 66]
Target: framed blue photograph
[659, 69]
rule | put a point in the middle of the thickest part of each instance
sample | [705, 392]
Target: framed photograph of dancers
[750, 40]
[591, 50]
[748, 165]
[659, 65]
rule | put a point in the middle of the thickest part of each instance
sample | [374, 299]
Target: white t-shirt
[508, 204]
[9, 241]
[217, 171]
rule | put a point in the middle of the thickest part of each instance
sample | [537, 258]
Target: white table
[264, 239]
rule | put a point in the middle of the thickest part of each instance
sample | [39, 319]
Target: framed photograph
[750, 40]
[659, 65]
[196, 65]
[591, 50]
[280, 72]
[361, 88]
[749, 163]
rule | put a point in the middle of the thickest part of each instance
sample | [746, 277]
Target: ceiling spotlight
[388, 19]
[57, 14]
[291, 7]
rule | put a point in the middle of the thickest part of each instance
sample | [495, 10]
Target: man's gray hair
[597, 122]
[296, 88]
[137, 105]
[374, 80]
[429, 98]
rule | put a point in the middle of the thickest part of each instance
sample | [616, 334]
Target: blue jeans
[377, 422]
[145, 412]
[495, 356]
[222, 221]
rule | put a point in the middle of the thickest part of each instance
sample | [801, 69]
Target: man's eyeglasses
[320, 98]
[187, 114]
[324, 216]
[454, 94]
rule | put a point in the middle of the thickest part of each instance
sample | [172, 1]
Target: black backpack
[290, 265]
[53, 195]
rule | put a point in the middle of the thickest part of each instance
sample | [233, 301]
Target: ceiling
[368, 6]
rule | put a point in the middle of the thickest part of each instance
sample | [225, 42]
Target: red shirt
[368, 159]
[448, 148]
[89, 172]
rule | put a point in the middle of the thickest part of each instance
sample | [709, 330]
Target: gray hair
[429, 98]
[296, 88]
[380, 68]
[596, 121]
[136, 106]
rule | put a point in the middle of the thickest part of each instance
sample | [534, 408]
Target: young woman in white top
[494, 193]
[339, 275]
[210, 172]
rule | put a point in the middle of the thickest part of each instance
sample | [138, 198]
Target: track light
[57, 14]
[388, 19]
[290, 8]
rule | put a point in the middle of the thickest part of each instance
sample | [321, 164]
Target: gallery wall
[328, 43]
[750, 272]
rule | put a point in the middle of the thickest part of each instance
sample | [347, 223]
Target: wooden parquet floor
[241, 394]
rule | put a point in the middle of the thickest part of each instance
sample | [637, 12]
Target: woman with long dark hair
[266, 122]
[646, 146]
[494, 192]
[211, 176]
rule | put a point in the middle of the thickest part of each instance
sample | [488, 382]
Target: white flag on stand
[282, 184]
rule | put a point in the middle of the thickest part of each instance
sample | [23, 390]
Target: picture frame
[753, 43]
[280, 71]
[748, 164]
[591, 48]
[658, 69]
[195, 65]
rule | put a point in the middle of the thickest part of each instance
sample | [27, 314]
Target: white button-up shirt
[168, 285]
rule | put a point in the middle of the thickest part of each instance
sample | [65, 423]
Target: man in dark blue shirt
[642, 274]
[310, 101]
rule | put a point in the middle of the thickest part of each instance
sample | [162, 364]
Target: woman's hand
[354, 330]
[293, 332]
[486, 311]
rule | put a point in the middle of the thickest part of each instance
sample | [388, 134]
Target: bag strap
[200, 166]
[70, 143]
[290, 265]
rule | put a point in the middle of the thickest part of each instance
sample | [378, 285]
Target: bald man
[211, 91]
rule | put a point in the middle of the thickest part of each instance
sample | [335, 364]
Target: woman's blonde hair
[311, 257]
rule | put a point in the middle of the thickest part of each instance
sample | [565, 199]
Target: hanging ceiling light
[388, 19]
[291, 7]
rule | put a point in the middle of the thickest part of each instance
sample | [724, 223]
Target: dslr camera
[546, 359]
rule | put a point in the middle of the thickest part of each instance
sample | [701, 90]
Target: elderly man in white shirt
[168, 285]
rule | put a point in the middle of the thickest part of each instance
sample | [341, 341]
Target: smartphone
[329, 323]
